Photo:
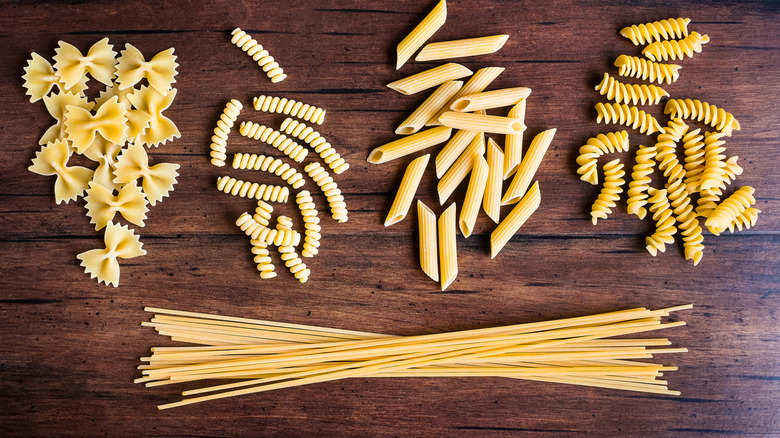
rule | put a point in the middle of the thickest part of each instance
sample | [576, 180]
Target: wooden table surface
[70, 347]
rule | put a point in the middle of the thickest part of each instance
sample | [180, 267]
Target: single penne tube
[514, 220]
[429, 246]
[458, 171]
[462, 48]
[513, 149]
[529, 165]
[427, 109]
[474, 194]
[477, 83]
[420, 34]
[409, 145]
[452, 150]
[407, 189]
[491, 202]
[490, 99]
[481, 122]
[429, 78]
[448, 253]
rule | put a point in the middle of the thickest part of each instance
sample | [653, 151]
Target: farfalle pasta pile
[112, 130]
[691, 162]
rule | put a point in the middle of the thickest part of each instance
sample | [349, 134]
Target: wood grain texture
[70, 346]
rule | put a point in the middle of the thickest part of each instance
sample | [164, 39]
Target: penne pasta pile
[255, 356]
[455, 114]
[691, 162]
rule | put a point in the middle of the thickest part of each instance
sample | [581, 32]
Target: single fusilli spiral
[610, 193]
[714, 161]
[263, 259]
[745, 220]
[338, 207]
[246, 189]
[680, 200]
[294, 263]
[676, 49]
[221, 132]
[640, 68]
[627, 116]
[275, 138]
[666, 148]
[263, 213]
[317, 142]
[260, 55]
[700, 111]
[595, 147]
[664, 222]
[729, 210]
[271, 165]
[645, 33]
[311, 223]
[693, 145]
[640, 180]
[630, 93]
[289, 107]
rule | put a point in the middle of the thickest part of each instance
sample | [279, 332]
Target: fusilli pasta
[664, 222]
[274, 138]
[700, 111]
[680, 201]
[317, 142]
[263, 259]
[294, 263]
[311, 223]
[667, 150]
[219, 140]
[627, 116]
[640, 180]
[271, 165]
[714, 161]
[338, 207]
[255, 50]
[610, 193]
[640, 68]
[595, 147]
[645, 33]
[694, 159]
[289, 107]
[676, 49]
[729, 210]
[246, 189]
[630, 93]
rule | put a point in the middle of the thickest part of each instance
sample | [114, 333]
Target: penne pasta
[462, 48]
[514, 220]
[457, 173]
[452, 150]
[474, 195]
[409, 145]
[427, 109]
[480, 122]
[429, 78]
[429, 247]
[448, 252]
[407, 190]
[490, 99]
[513, 152]
[417, 37]
[491, 202]
[478, 82]
[527, 168]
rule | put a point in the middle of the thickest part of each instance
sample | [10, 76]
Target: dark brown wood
[70, 346]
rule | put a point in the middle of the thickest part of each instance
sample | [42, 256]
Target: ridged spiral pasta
[667, 150]
[664, 222]
[708, 201]
[289, 107]
[263, 259]
[745, 220]
[693, 146]
[729, 210]
[630, 93]
[714, 161]
[271, 165]
[640, 180]
[610, 193]
[640, 68]
[247, 189]
[595, 147]
[645, 33]
[254, 49]
[321, 146]
[627, 116]
[221, 132]
[338, 208]
[694, 109]
[294, 263]
[680, 200]
[263, 213]
[260, 233]
[676, 49]
[274, 138]
[311, 223]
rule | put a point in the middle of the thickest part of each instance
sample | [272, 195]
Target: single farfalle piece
[109, 122]
[99, 62]
[157, 180]
[102, 205]
[56, 104]
[40, 77]
[160, 71]
[161, 129]
[137, 120]
[105, 154]
[121, 242]
[71, 181]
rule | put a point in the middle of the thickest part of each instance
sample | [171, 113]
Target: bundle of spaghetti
[271, 165]
[317, 142]
[257, 356]
[274, 138]
[338, 207]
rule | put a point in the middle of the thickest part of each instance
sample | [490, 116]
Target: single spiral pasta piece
[221, 132]
[745, 220]
[714, 161]
[263, 213]
[271, 165]
[693, 146]
[680, 200]
[627, 116]
[640, 180]
[311, 223]
[338, 208]
[289, 107]
[246, 189]
[640, 68]
[666, 148]
[664, 222]
[321, 146]
[274, 138]
[700, 111]
[294, 263]
[676, 49]
[595, 147]
[630, 93]
[727, 212]
[708, 201]
[260, 55]
[610, 193]
[261, 234]
[645, 33]
[263, 259]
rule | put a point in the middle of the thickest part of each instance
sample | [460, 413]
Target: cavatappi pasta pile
[691, 161]
[112, 130]
[455, 113]
[294, 140]
[254, 356]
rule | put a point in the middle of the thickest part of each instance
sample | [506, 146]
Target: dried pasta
[448, 252]
[40, 77]
[727, 212]
[429, 251]
[274, 138]
[646, 33]
[316, 141]
[121, 242]
[640, 181]
[680, 201]
[640, 68]
[462, 48]
[429, 107]
[458, 171]
[57, 104]
[102, 205]
[160, 71]
[693, 146]
[109, 122]
[407, 189]
[476, 84]
[409, 145]
[263, 259]
[311, 224]
[452, 150]
[714, 161]
[515, 219]
[319, 175]
[474, 195]
[71, 181]
[630, 93]
[664, 222]
[99, 62]
[157, 181]
[161, 128]
[529, 165]
[676, 49]
[263, 213]
[289, 107]
[627, 116]
[745, 220]
[700, 111]
[666, 149]
[260, 233]
[491, 99]
[429, 78]
[294, 263]
[271, 165]
[595, 147]
[491, 203]
[219, 140]
[417, 37]
[610, 192]
[256, 51]
[482, 123]
[246, 189]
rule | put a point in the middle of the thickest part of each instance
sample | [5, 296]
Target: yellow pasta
[610, 193]
[157, 181]
[263, 213]
[246, 189]
[728, 211]
[421, 33]
[477, 83]
[640, 68]
[458, 171]
[452, 150]
[640, 181]
[261, 233]
[491, 203]
[714, 161]
[137, 121]
[263, 259]
[662, 215]
[514, 220]
[71, 181]
[429, 253]
[294, 263]
[514, 142]
[482, 123]
[57, 104]
[219, 140]
[255, 50]
[529, 165]
[271, 165]
[316, 141]
[627, 116]
[630, 93]
[429, 78]
[462, 48]
[700, 111]
[161, 128]
[448, 252]
[160, 71]
[474, 196]
[595, 147]
[409, 145]
[666, 148]
[680, 201]
[300, 110]
[645, 33]
[490, 99]
[311, 223]
[693, 146]
[40, 77]
[745, 220]
[99, 62]
[102, 205]
[109, 122]
[429, 107]
[121, 242]
[274, 138]
[676, 49]
[319, 175]
[407, 189]
[105, 154]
